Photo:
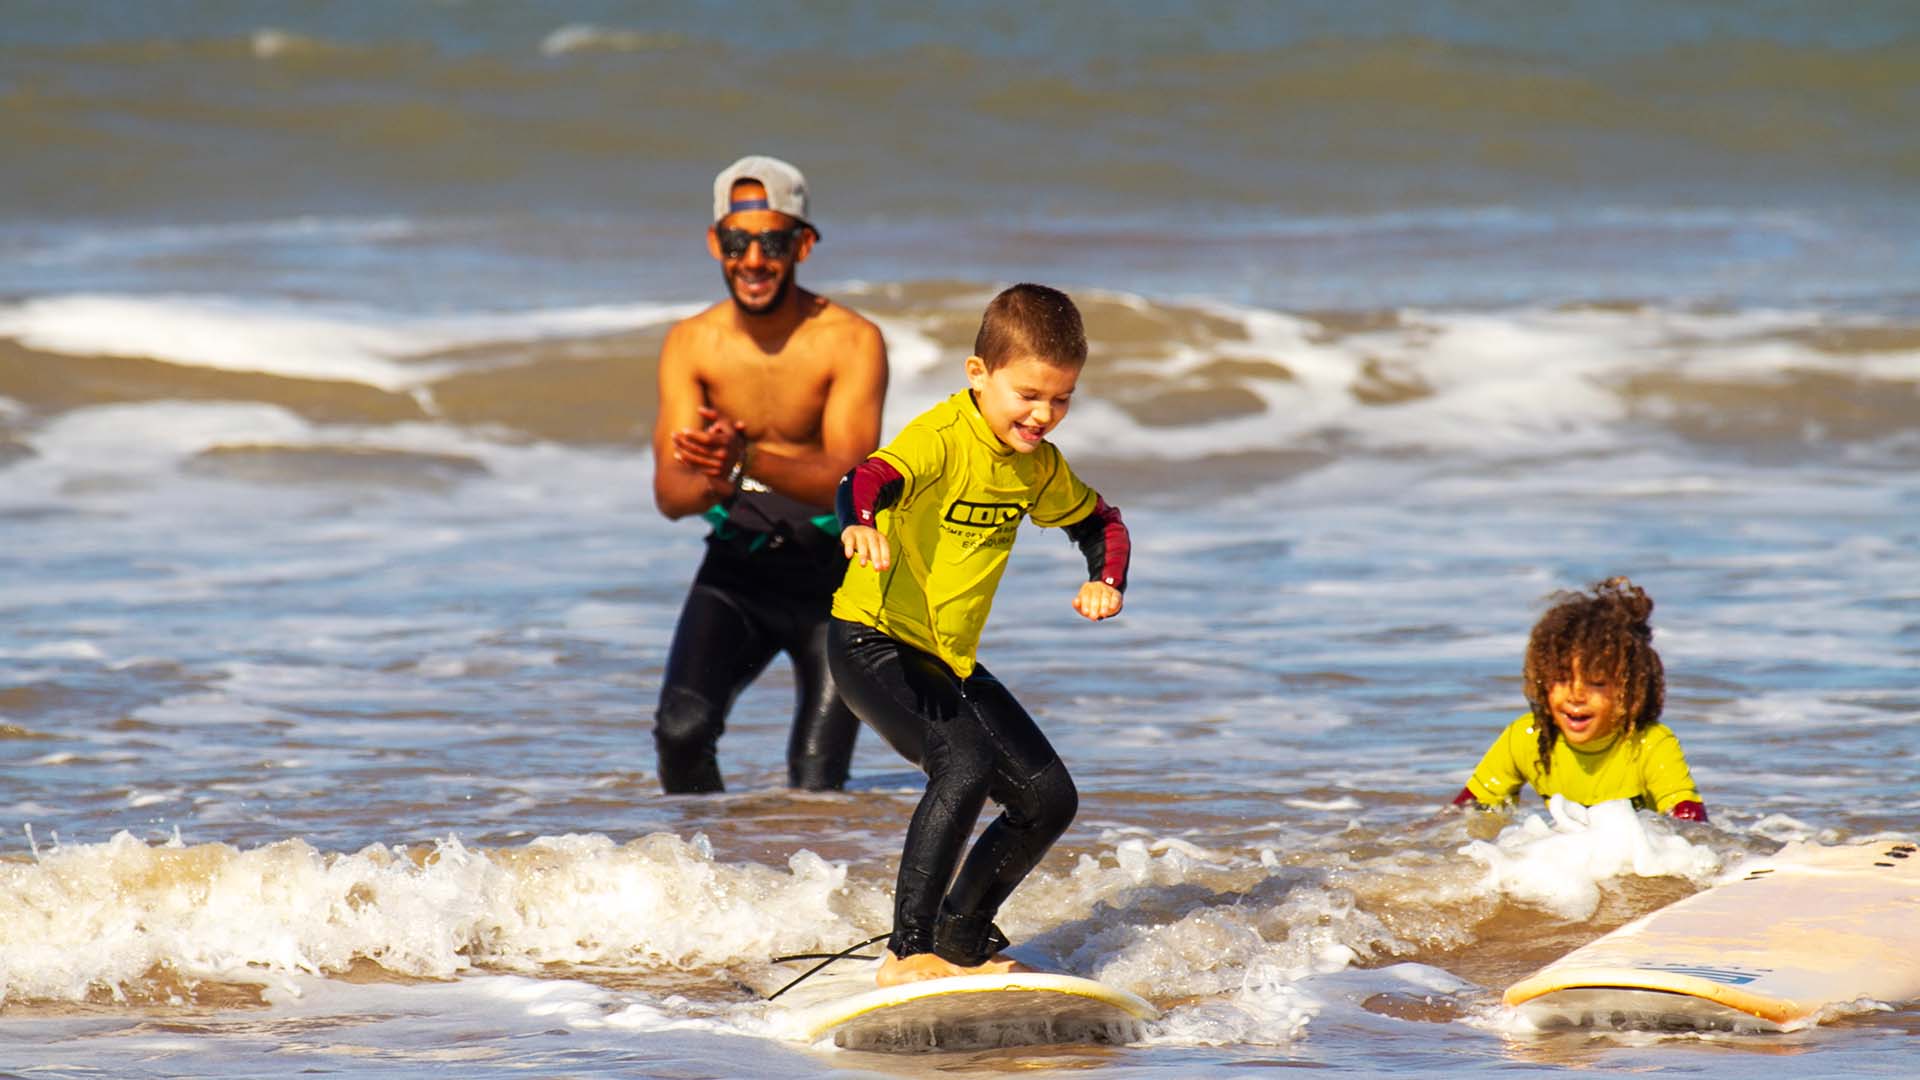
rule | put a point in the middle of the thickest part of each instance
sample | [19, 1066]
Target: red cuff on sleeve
[1104, 540]
[1689, 811]
[876, 485]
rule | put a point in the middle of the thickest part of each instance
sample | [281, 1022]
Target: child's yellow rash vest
[1646, 766]
[965, 493]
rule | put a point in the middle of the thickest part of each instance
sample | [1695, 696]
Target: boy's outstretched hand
[869, 545]
[1097, 600]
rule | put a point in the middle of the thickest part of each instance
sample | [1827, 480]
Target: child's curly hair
[1606, 630]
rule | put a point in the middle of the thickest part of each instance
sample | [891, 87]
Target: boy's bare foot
[921, 966]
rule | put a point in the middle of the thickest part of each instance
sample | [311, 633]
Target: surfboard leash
[843, 954]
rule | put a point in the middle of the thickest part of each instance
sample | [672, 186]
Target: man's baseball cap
[786, 188]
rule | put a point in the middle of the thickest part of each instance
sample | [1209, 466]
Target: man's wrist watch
[739, 470]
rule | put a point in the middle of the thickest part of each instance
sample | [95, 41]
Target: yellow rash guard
[1646, 766]
[965, 493]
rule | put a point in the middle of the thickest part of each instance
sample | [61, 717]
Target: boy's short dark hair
[1031, 320]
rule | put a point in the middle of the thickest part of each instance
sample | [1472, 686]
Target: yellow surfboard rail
[1779, 940]
[1779, 1011]
[834, 1014]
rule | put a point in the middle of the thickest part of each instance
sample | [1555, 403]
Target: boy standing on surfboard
[930, 519]
[1596, 687]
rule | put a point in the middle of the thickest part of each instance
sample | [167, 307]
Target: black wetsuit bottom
[750, 601]
[975, 743]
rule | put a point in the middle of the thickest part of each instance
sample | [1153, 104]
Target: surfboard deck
[1766, 949]
[966, 1012]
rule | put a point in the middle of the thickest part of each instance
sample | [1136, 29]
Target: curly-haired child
[1596, 688]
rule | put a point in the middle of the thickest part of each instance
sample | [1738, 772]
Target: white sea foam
[64, 650]
[218, 334]
[103, 915]
[1788, 829]
[614, 623]
[154, 437]
[1560, 864]
[585, 37]
[1492, 381]
[920, 373]
[1343, 804]
[272, 44]
[1252, 973]
[1804, 711]
[61, 248]
[483, 661]
[349, 344]
[1241, 935]
[477, 1025]
[207, 709]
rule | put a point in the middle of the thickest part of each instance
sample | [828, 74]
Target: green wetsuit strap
[724, 528]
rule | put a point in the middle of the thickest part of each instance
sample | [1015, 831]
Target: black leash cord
[843, 954]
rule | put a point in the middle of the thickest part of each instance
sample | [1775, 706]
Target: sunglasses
[774, 243]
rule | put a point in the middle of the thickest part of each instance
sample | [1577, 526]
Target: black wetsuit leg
[820, 750]
[974, 742]
[749, 601]
[717, 650]
[1038, 801]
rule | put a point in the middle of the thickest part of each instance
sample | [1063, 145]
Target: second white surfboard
[1808, 928]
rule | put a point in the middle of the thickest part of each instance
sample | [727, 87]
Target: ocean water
[333, 604]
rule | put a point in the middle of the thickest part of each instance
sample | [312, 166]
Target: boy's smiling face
[1587, 711]
[1023, 399]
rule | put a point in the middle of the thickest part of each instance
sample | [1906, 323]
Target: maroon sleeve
[1103, 539]
[1465, 798]
[868, 488]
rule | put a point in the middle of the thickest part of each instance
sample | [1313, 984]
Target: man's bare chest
[781, 394]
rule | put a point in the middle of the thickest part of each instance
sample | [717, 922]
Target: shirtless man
[766, 400]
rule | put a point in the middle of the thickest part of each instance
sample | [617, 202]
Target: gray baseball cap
[786, 188]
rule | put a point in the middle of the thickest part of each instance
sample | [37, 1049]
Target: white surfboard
[965, 1012]
[1766, 949]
